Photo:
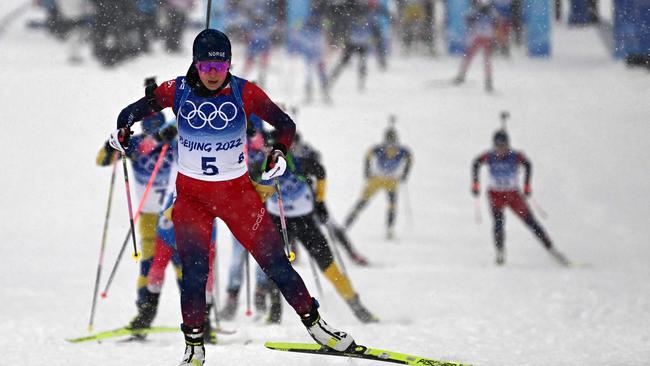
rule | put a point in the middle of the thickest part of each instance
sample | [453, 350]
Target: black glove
[321, 212]
[168, 134]
[272, 158]
[120, 139]
[527, 190]
[476, 189]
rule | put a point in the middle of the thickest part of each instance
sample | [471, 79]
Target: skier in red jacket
[212, 107]
[503, 191]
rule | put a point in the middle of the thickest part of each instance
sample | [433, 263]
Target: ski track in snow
[581, 117]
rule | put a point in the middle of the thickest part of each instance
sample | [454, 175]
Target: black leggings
[348, 51]
[305, 230]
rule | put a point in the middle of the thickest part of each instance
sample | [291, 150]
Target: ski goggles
[219, 66]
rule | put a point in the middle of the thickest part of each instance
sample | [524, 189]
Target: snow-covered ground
[581, 117]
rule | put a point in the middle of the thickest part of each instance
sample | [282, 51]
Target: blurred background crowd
[122, 29]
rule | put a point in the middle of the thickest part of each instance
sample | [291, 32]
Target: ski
[360, 352]
[121, 332]
[124, 331]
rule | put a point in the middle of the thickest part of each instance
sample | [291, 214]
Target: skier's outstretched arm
[367, 162]
[407, 166]
[476, 185]
[313, 167]
[528, 171]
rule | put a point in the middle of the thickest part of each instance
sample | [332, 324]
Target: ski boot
[458, 80]
[275, 313]
[327, 99]
[324, 334]
[559, 257]
[194, 349]
[147, 308]
[361, 312]
[488, 85]
[259, 299]
[389, 234]
[501, 257]
[228, 312]
[209, 336]
[359, 259]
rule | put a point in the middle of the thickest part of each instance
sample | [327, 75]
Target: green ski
[122, 332]
[360, 352]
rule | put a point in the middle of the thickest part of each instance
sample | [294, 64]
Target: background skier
[386, 166]
[503, 191]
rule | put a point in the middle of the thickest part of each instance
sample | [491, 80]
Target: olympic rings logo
[208, 112]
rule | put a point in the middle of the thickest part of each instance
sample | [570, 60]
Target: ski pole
[215, 293]
[335, 249]
[340, 237]
[477, 211]
[102, 247]
[247, 265]
[136, 255]
[131, 231]
[314, 271]
[538, 208]
[207, 15]
[283, 223]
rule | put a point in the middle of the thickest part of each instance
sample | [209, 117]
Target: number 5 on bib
[208, 167]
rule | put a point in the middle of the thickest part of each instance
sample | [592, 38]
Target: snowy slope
[581, 117]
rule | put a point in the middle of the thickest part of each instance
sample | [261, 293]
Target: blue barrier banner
[579, 12]
[625, 32]
[297, 13]
[537, 16]
[457, 25]
[218, 15]
[643, 25]
[385, 27]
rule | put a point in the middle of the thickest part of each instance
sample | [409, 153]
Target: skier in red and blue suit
[482, 22]
[212, 107]
[503, 191]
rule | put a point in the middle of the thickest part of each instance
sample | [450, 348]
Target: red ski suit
[233, 199]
